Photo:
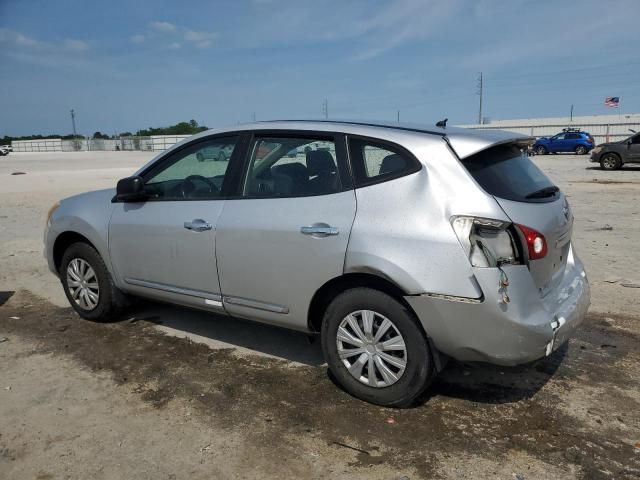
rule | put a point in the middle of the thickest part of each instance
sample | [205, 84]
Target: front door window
[196, 172]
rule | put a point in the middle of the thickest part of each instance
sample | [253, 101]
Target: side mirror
[130, 189]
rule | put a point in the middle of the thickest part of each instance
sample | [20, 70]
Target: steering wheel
[188, 185]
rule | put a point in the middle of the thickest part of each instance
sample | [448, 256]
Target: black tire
[541, 150]
[610, 161]
[111, 301]
[581, 150]
[419, 370]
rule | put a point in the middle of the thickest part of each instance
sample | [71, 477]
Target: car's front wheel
[581, 150]
[541, 150]
[376, 349]
[610, 161]
[88, 284]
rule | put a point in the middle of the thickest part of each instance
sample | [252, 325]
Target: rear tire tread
[418, 373]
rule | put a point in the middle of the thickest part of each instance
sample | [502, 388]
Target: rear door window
[505, 171]
[292, 166]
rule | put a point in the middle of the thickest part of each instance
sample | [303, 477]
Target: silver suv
[401, 246]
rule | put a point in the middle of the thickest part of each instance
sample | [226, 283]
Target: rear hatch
[531, 201]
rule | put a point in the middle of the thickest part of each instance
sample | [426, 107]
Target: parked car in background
[4, 150]
[569, 140]
[612, 155]
[216, 153]
[459, 246]
[8, 147]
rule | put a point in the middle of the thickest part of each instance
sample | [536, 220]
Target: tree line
[183, 128]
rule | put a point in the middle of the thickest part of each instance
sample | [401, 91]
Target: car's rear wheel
[88, 284]
[541, 150]
[610, 161]
[581, 150]
[376, 349]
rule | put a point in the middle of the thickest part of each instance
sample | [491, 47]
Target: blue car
[569, 140]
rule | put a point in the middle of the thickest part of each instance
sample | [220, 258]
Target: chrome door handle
[198, 225]
[319, 231]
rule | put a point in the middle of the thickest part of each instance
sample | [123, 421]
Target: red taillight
[536, 243]
[590, 140]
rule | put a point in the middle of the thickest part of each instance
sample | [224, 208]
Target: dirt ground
[172, 393]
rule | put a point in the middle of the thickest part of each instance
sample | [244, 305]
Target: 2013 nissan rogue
[401, 245]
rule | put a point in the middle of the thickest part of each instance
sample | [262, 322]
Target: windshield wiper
[544, 192]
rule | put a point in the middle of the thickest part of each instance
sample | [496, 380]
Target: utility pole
[398, 116]
[325, 109]
[480, 92]
[254, 116]
[73, 122]
[571, 115]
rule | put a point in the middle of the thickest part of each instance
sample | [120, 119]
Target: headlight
[597, 150]
[51, 210]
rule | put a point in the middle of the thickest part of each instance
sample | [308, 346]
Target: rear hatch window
[505, 171]
[529, 199]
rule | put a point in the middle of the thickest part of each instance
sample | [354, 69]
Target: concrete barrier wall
[46, 145]
[153, 143]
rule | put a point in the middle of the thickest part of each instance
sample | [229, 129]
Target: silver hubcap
[371, 348]
[82, 283]
[609, 162]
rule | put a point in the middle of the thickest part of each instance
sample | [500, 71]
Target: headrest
[320, 162]
[392, 163]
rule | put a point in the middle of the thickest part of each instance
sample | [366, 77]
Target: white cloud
[200, 39]
[193, 36]
[372, 28]
[19, 41]
[74, 45]
[164, 27]
[25, 41]
[138, 39]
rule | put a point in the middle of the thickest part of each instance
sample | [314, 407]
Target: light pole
[73, 123]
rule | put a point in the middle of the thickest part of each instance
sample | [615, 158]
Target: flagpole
[620, 109]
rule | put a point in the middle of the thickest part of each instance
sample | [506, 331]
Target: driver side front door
[164, 247]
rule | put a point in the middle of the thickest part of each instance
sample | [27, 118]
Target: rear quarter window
[505, 171]
[375, 161]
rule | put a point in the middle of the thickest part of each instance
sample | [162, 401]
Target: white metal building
[604, 128]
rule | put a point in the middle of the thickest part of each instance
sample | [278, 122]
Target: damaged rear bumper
[527, 328]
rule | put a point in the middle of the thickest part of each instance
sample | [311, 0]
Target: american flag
[612, 102]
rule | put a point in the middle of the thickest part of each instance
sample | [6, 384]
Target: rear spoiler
[468, 142]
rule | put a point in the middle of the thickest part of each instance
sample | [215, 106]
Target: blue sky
[126, 65]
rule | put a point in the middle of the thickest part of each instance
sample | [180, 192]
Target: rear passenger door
[286, 233]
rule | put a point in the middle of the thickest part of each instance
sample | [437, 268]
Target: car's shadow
[625, 168]
[221, 331]
[477, 382]
[485, 383]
